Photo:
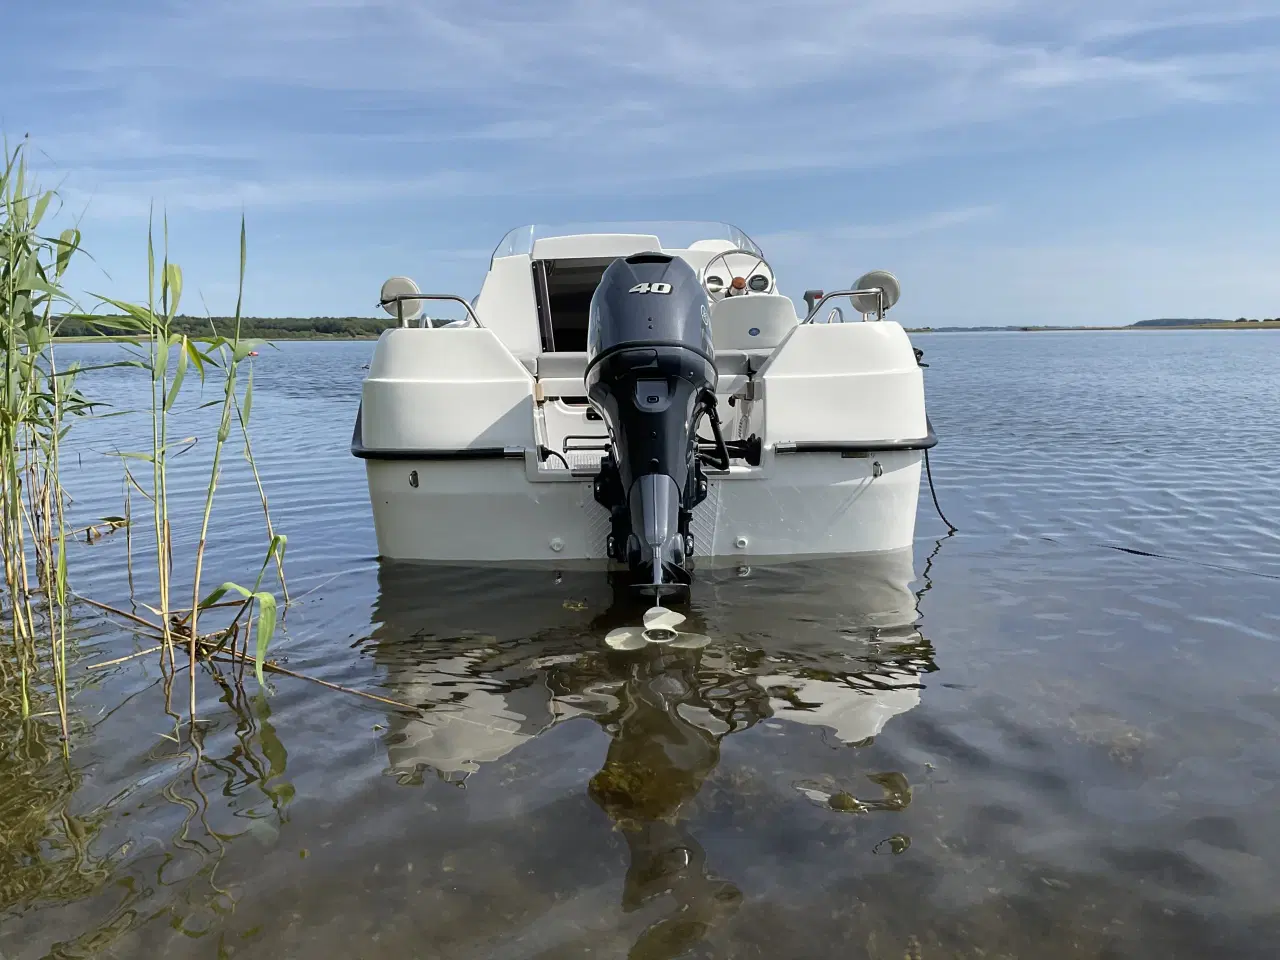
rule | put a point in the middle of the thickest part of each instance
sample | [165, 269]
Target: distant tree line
[1177, 322]
[263, 328]
[1184, 322]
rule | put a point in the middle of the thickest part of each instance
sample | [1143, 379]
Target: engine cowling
[651, 374]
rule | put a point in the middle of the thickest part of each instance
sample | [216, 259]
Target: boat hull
[809, 504]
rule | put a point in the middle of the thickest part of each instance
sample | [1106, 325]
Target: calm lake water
[1055, 734]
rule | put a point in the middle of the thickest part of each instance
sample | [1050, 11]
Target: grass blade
[178, 375]
[266, 629]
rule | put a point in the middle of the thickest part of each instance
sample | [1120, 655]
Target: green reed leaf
[196, 356]
[243, 260]
[68, 243]
[274, 550]
[62, 575]
[159, 358]
[37, 338]
[135, 317]
[173, 283]
[36, 284]
[247, 406]
[266, 618]
[151, 260]
[178, 376]
[41, 206]
[219, 592]
[266, 630]
[63, 374]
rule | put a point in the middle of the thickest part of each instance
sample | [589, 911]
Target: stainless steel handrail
[877, 291]
[399, 299]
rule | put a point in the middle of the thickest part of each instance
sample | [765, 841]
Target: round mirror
[400, 287]
[886, 281]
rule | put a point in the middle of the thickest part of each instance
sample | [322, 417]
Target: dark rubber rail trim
[358, 449]
[926, 442]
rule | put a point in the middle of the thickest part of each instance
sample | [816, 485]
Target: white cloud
[119, 198]
[433, 116]
[244, 100]
[898, 230]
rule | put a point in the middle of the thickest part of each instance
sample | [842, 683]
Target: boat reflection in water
[532, 655]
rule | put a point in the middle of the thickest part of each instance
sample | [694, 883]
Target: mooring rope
[934, 493]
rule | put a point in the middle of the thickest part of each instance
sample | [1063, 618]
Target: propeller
[660, 628]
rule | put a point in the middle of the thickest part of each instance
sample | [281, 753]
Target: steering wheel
[744, 275]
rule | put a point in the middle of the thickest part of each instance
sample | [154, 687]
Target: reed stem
[38, 400]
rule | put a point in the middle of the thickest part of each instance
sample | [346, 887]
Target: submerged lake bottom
[1054, 734]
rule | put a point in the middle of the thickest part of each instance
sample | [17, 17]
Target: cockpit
[564, 265]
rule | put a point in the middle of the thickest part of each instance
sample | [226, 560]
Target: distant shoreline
[249, 328]
[315, 338]
[360, 329]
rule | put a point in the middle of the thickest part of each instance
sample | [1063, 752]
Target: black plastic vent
[649, 258]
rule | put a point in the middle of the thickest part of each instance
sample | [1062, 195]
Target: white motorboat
[646, 396]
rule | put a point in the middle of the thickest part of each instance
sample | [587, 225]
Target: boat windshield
[672, 234]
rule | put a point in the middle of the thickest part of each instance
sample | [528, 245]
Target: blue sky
[1011, 162]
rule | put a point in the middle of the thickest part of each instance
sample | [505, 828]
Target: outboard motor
[651, 374]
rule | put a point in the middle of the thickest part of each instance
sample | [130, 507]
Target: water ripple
[1053, 734]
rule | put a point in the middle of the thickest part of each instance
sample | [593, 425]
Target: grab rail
[399, 299]
[877, 291]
